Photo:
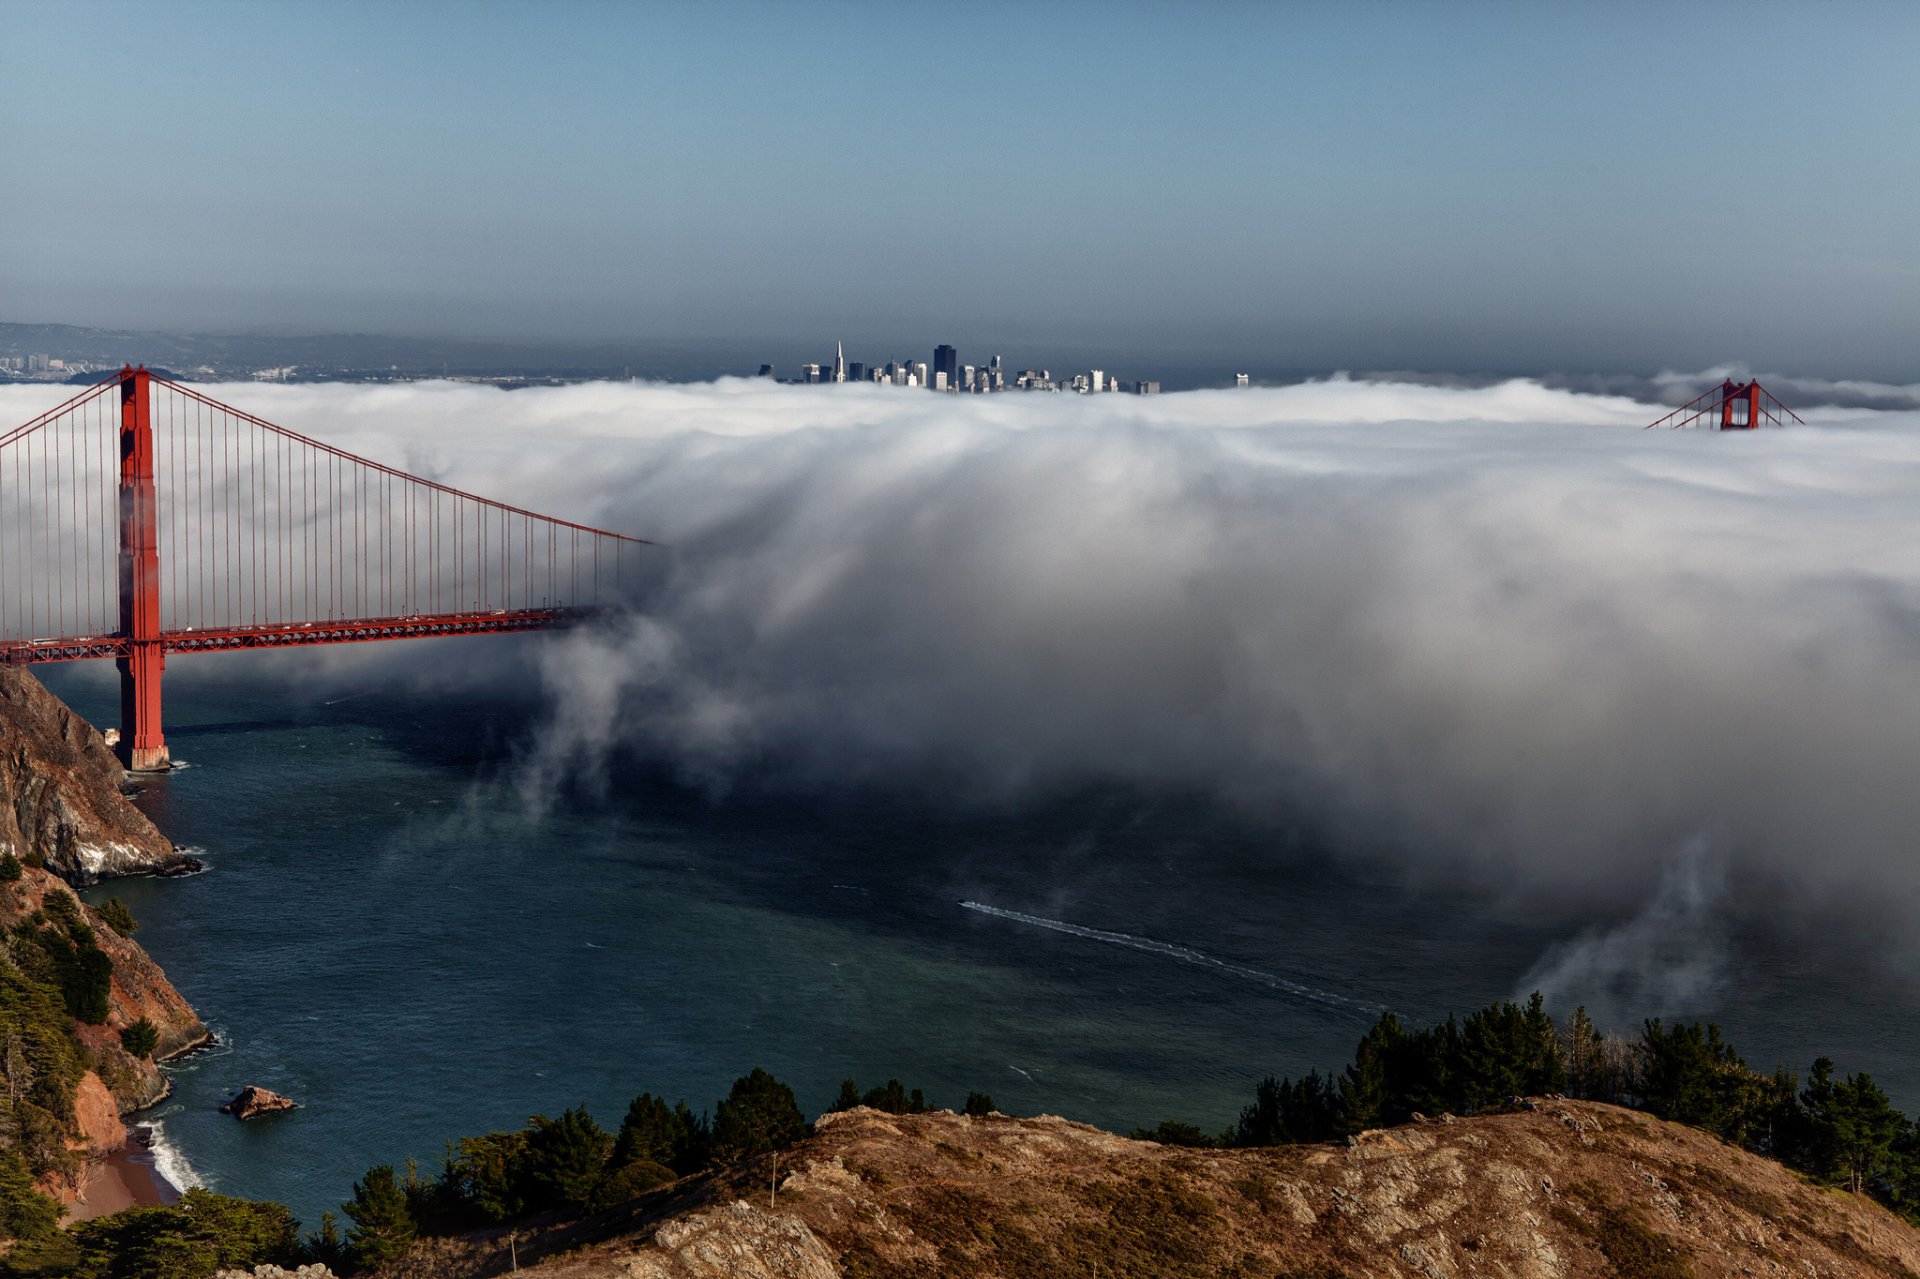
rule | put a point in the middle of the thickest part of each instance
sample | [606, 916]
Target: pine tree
[673, 1138]
[849, 1095]
[1580, 1048]
[382, 1225]
[759, 1114]
[324, 1246]
[564, 1159]
[1366, 1092]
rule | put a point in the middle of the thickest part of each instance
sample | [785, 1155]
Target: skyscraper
[839, 362]
[946, 360]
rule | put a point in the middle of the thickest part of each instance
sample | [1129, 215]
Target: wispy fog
[1496, 632]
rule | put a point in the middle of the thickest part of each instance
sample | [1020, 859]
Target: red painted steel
[80, 648]
[272, 540]
[1757, 407]
[142, 746]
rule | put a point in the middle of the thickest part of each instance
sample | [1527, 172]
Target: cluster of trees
[1842, 1130]
[893, 1098]
[567, 1163]
[62, 951]
[52, 974]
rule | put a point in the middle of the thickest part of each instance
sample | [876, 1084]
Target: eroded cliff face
[139, 990]
[60, 796]
[1563, 1190]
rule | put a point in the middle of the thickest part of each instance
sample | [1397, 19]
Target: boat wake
[1186, 955]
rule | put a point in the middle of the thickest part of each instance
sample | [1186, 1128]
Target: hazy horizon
[1467, 187]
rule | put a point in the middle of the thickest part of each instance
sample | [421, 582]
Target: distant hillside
[350, 356]
[1563, 1188]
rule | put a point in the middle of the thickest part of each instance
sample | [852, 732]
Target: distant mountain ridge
[352, 356]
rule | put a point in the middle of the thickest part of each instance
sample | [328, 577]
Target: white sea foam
[1186, 955]
[168, 1159]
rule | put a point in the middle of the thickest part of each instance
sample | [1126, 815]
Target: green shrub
[202, 1233]
[140, 1039]
[629, 1182]
[483, 1178]
[9, 867]
[114, 913]
[979, 1105]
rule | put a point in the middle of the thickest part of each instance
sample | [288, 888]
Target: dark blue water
[386, 933]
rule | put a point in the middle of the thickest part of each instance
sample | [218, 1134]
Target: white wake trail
[1185, 954]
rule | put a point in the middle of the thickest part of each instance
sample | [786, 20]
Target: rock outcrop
[60, 793]
[1568, 1189]
[253, 1101]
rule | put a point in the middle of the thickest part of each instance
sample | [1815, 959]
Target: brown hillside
[1565, 1189]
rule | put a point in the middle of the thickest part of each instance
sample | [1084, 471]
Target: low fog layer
[1497, 631]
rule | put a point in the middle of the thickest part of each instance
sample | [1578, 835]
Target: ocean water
[386, 933]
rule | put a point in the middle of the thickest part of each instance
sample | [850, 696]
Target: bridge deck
[295, 634]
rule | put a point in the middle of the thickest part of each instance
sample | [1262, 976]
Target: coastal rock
[312, 1271]
[254, 1100]
[738, 1241]
[60, 793]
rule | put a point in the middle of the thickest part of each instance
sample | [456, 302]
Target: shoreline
[127, 1178]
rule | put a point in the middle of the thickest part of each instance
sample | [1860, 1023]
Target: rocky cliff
[1564, 1189]
[139, 990]
[62, 815]
[60, 793]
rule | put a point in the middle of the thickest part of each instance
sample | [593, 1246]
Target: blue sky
[1463, 186]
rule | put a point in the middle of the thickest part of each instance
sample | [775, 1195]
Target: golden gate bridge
[142, 518]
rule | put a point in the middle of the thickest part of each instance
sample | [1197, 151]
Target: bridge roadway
[292, 634]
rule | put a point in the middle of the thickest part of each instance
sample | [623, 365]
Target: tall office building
[919, 374]
[839, 362]
[946, 360]
[856, 372]
[1096, 381]
[1239, 379]
[809, 373]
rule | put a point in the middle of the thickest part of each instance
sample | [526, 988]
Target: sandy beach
[124, 1179]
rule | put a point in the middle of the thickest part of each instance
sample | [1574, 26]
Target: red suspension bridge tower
[1731, 406]
[142, 518]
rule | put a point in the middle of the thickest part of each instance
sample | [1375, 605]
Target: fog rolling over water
[1649, 682]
